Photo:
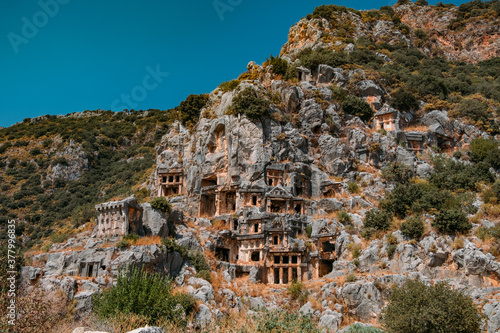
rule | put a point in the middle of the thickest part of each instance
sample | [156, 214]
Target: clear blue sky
[86, 55]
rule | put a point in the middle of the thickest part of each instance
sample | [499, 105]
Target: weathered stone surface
[370, 88]
[204, 315]
[147, 330]
[363, 299]
[492, 311]
[153, 221]
[330, 321]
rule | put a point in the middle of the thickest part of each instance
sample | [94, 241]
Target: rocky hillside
[306, 195]
[466, 33]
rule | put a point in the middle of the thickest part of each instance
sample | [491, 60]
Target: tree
[280, 65]
[451, 220]
[357, 107]
[413, 227]
[397, 172]
[250, 104]
[189, 109]
[482, 149]
[376, 220]
[403, 100]
[417, 308]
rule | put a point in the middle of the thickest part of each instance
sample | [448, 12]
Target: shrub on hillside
[357, 107]
[485, 150]
[353, 187]
[200, 263]
[311, 59]
[298, 292]
[450, 221]
[161, 204]
[229, 85]
[402, 199]
[280, 65]
[472, 109]
[189, 109]
[397, 172]
[404, 101]
[172, 246]
[344, 217]
[454, 175]
[413, 227]
[376, 220]
[281, 321]
[357, 328]
[145, 294]
[250, 104]
[495, 188]
[417, 308]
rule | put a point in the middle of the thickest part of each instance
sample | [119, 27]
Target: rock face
[71, 163]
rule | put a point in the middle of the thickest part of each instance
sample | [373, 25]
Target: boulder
[369, 88]
[204, 315]
[330, 321]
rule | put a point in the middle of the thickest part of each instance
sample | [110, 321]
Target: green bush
[495, 188]
[404, 101]
[327, 11]
[132, 238]
[309, 230]
[189, 109]
[229, 85]
[35, 151]
[413, 227]
[344, 217]
[377, 220]
[172, 246]
[357, 107]
[281, 321]
[454, 175]
[311, 59]
[402, 200]
[356, 328]
[451, 221]
[123, 244]
[397, 172]
[298, 292]
[144, 294]
[200, 263]
[353, 187]
[485, 150]
[250, 104]
[161, 204]
[351, 277]
[280, 66]
[473, 109]
[417, 308]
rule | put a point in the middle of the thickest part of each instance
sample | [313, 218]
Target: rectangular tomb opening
[207, 205]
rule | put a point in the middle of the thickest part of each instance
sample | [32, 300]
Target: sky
[63, 56]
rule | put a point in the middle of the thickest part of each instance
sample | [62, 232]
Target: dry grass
[219, 225]
[417, 128]
[491, 210]
[148, 240]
